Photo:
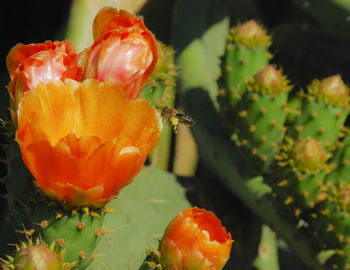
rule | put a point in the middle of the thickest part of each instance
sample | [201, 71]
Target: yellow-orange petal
[95, 147]
[101, 109]
[98, 165]
[140, 116]
[51, 108]
[52, 164]
[73, 195]
[81, 149]
[126, 164]
[30, 133]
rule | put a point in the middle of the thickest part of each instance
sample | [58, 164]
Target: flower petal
[51, 164]
[124, 52]
[98, 165]
[21, 52]
[51, 108]
[101, 20]
[140, 116]
[101, 110]
[123, 168]
[110, 19]
[196, 240]
[83, 142]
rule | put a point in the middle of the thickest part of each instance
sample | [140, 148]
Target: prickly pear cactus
[330, 218]
[246, 52]
[301, 194]
[142, 212]
[154, 196]
[76, 230]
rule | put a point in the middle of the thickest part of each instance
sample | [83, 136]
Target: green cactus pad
[324, 111]
[221, 155]
[246, 53]
[300, 190]
[262, 124]
[241, 63]
[263, 111]
[142, 212]
[79, 232]
[294, 108]
[320, 121]
[341, 162]
[331, 222]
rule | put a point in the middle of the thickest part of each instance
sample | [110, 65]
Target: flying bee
[173, 117]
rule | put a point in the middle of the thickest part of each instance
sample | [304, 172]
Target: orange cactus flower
[124, 51]
[83, 142]
[195, 240]
[40, 62]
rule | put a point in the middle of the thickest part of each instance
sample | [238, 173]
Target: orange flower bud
[124, 52]
[195, 240]
[30, 64]
[83, 142]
